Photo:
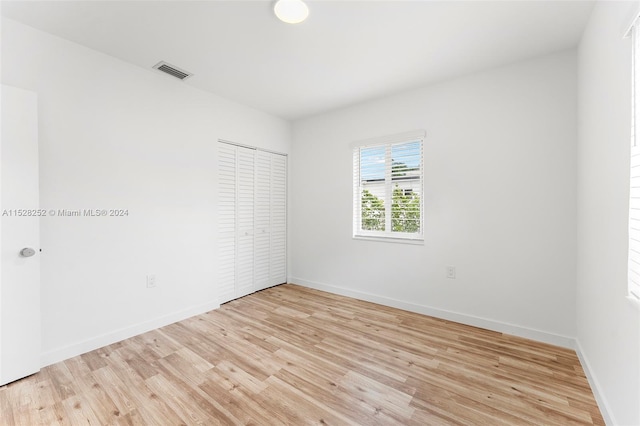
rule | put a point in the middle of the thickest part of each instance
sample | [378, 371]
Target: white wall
[113, 135]
[608, 325]
[500, 178]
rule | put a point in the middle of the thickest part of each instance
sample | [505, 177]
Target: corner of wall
[598, 394]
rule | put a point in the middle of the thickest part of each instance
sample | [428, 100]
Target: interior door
[245, 224]
[262, 220]
[19, 229]
[278, 211]
[227, 188]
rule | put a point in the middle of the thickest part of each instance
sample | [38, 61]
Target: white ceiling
[346, 52]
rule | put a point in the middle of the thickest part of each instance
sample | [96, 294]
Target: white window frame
[633, 281]
[388, 235]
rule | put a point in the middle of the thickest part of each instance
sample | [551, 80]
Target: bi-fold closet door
[252, 221]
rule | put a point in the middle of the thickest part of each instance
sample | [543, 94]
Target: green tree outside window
[405, 211]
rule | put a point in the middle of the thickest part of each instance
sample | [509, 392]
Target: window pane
[372, 164]
[405, 160]
[405, 176]
[405, 207]
[372, 213]
[372, 193]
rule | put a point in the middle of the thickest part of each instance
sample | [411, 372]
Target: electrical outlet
[451, 272]
[151, 281]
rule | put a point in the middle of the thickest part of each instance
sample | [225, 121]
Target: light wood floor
[291, 355]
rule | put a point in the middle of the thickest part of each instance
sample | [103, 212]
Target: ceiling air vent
[172, 70]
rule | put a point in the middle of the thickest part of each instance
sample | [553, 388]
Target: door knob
[27, 252]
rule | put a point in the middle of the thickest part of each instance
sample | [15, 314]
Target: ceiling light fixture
[291, 11]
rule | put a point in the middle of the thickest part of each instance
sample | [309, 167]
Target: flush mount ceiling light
[291, 11]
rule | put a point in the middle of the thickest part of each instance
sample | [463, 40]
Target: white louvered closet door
[263, 220]
[278, 212]
[227, 221]
[252, 242]
[245, 224]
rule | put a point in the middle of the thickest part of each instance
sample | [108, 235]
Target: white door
[235, 221]
[19, 229]
[278, 211]
[252, 220]
[262, 240]
[227, 221]
[245, 225]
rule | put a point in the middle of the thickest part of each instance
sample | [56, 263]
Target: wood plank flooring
[292, 355]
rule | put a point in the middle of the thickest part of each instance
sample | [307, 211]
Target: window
[634, 187]
[387, 188]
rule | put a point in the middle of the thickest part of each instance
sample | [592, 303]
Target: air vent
[172, 70]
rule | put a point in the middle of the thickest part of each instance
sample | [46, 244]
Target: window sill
[390, 240]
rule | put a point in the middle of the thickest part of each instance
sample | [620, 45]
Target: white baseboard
[502, 327]
[603, 405]
[79, 348]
